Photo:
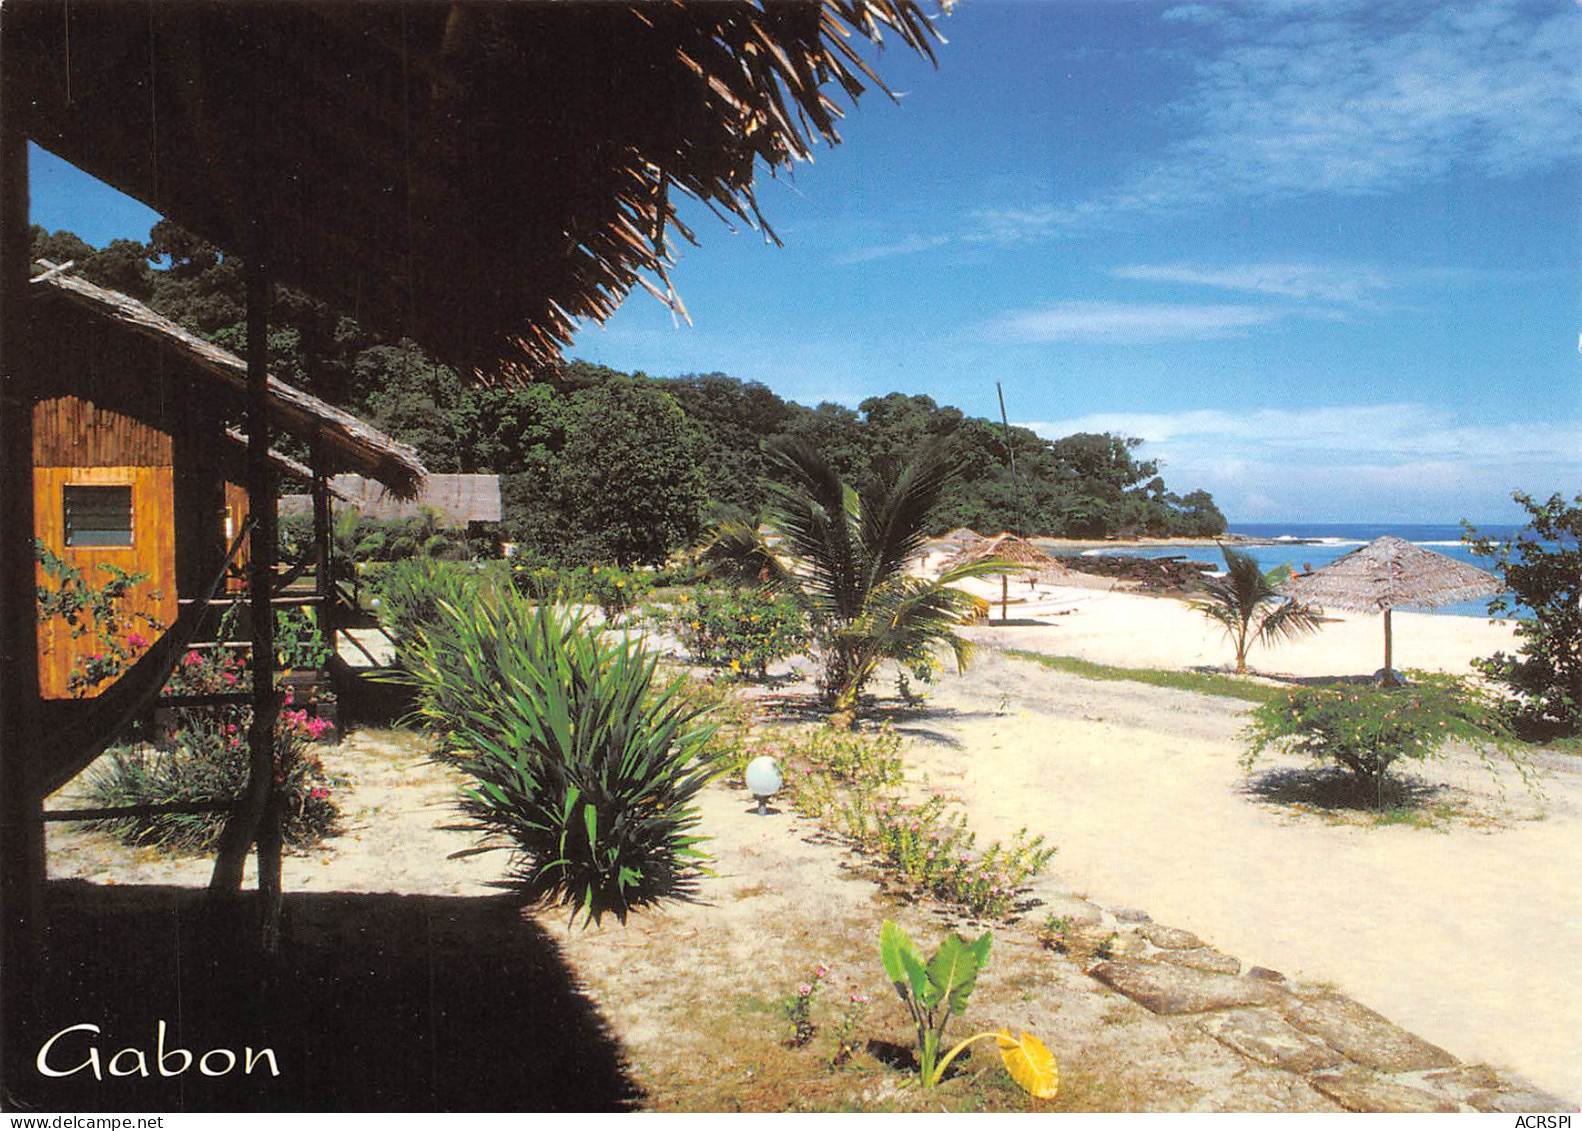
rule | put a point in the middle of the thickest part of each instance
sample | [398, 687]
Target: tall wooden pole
[258, 817]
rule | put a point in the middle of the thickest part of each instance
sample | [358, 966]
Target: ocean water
[1317, 544]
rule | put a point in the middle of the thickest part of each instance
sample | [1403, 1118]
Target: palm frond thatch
[1391, 573]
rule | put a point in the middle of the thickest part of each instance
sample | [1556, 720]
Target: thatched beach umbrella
[1390, 573]
[962, 536]
[1017, 553]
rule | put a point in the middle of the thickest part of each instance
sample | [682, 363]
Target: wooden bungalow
[137, 464]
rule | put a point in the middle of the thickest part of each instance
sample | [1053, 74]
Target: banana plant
[936, 990]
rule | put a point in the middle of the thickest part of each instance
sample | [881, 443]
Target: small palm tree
[842, 555]
[1247, 602]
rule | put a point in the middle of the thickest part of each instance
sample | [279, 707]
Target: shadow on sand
[1327, 787]
[375, 1002]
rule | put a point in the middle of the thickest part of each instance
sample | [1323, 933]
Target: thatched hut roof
[1390, 573]
[283, 463]
[962, 535]
[478, 177]
[1009, 548]
[349, 443]
[456, 500]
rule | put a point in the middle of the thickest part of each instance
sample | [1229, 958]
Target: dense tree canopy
[597, 462]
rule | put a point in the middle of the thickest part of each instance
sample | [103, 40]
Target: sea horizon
[1303, 545]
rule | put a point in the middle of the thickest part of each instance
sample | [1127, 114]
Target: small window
[98, 516]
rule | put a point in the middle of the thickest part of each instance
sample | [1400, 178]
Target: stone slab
[1517, 1100]
[1364, 1036]
[1132, 915]
[1267, 1038]
[1165, 988]
[1359, 1091]
[1072, 909]
[1202, 958]
[1170, 938]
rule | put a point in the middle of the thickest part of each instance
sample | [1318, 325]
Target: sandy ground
[1469, 934]
[1132, 630]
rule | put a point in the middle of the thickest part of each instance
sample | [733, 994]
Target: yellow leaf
[1030, 1064]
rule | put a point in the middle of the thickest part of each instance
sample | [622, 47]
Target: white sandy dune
[1469, 933]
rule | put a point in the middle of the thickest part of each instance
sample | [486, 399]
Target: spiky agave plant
[577, 757]
[1250, 606]
[842, 554]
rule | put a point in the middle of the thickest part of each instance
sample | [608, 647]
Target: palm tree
[1247, 602]
[842, 555]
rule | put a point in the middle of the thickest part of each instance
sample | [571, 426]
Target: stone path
[1357, 1058]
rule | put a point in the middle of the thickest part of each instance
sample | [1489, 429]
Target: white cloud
[1121, 322]
[911, 245]
[1398, 462]
[1322, 97]
[1350, 285]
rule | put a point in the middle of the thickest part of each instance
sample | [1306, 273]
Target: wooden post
[1005, 596]
[1389, 679]
[322, 541]
[22, 869]
[258, 816]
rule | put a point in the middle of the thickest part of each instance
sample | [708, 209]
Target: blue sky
[1322, 257]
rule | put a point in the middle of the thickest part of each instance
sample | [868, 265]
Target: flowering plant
[799, 1008]
[97, 610]
[741, 631]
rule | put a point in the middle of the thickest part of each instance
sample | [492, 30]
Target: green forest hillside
[603, 465]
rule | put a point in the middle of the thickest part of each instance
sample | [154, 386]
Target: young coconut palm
[1247, 602]
[842, 555]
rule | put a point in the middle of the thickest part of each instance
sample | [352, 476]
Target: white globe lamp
[763, 781]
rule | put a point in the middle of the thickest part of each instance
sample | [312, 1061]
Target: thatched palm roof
[962, 534]
[349, 443]
[1008, 548]
[284, 464]
[1390, 573]
[456, 499]
[479, 177]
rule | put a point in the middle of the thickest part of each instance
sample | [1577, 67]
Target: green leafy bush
[741, 631]
[299, 645]
[613, 589]
[587, 767]
[1542, 570]
[1366, 729]
[411, 593]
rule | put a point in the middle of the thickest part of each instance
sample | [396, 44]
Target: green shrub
[587, 767]
[613, 589]
[741, 631]
[299, 645]
[411, 594]
[1542, 571]
[1366, 729]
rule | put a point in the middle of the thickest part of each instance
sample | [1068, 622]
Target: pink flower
[230, 728]
[804, 990]
[320, 794]
[191, 660]
[136, 640]
[317, 727]
[820, 970]
[228, 677]
[857, 998]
